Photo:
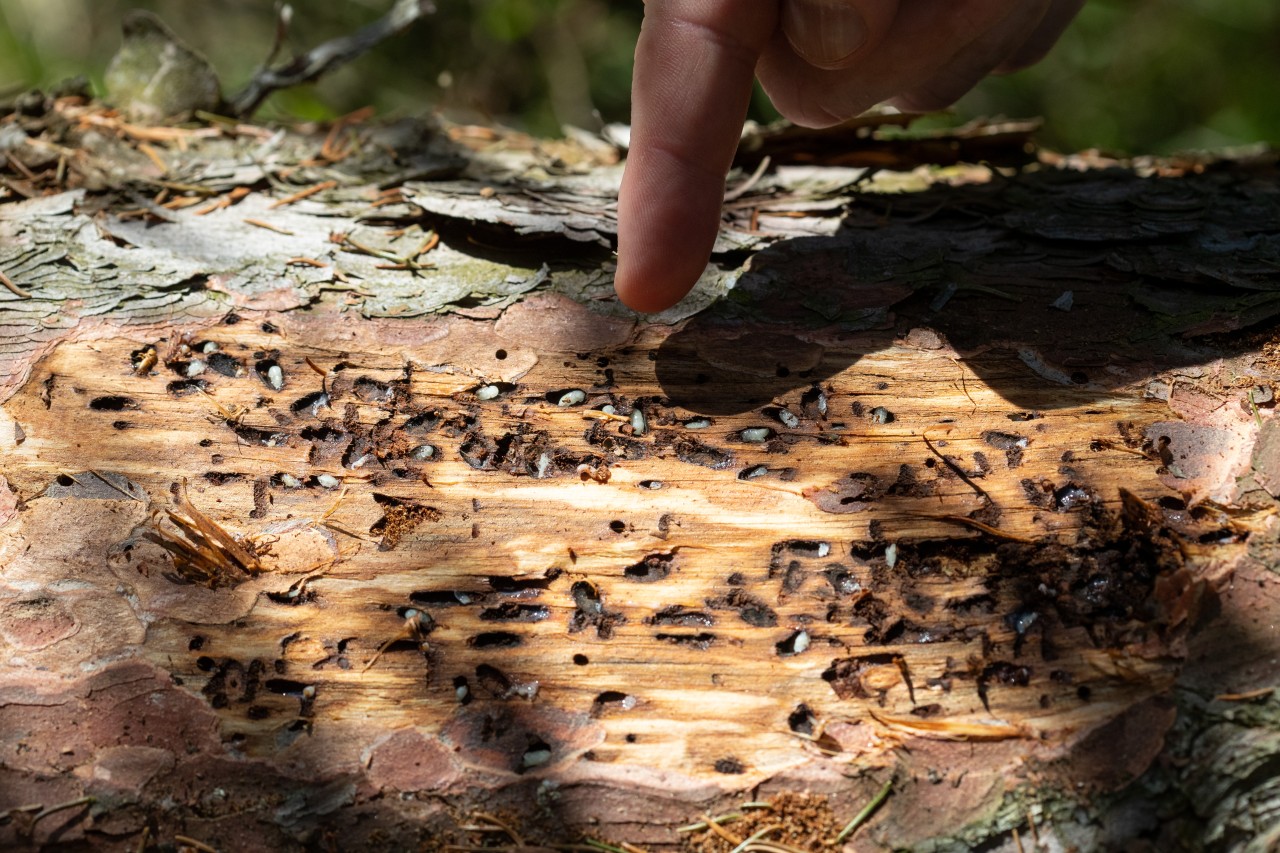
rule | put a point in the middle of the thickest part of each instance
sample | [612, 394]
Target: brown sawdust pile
[805, 822]
[400, 520]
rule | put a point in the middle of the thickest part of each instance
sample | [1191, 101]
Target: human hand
[821, 62]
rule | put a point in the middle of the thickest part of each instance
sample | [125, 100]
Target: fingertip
[668, 219]
[645, 294]
[657, 268]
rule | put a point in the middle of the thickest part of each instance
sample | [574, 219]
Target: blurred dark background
[1143, 76]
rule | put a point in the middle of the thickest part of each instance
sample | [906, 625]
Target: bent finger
[966, 69]
[924, 37]
[832, 34]
[1060, 15]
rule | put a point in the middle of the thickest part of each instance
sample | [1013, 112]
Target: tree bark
[342, 507]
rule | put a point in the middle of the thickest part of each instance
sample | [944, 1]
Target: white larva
[881, 415]
[526, 690]
[572, 398]
[535, 758]
[487, 392]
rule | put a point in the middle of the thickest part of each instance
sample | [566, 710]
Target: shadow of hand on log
[1055, 288]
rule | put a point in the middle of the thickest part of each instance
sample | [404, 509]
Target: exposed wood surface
[953, 543]
[683, 557]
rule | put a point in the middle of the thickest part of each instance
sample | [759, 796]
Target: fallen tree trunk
[345, 509]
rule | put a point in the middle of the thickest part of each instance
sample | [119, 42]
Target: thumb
[831, 34]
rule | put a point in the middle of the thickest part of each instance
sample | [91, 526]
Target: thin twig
[327, 56]
[985, 528]
[747, 842]
[723, 833]
[74, 479]
[1108, 444]
[284, 17]
[338, 528]
[70, 804]
[1244, 697]
[301, 194]
[702, 824]
[191, 842]
[13, 288]
[500, 824]
[861, 817]
[178, 203]
[1254, 407]
[20, 166]
[593, 844]
[154, 156]
[267, 225]
[369, 250]
[224, 202]
[771, 847]
[597, 415]
[329, 150]
[331, 510]
[953, 466]
[742, 188]
[432, 240]
[963, 386]
[952, 729]
[122, 491]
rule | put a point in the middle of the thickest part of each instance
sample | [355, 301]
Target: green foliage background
[1142, 76]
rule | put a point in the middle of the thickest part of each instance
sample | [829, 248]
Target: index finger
[695, 62]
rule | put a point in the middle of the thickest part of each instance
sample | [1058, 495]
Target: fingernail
[823, 32]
